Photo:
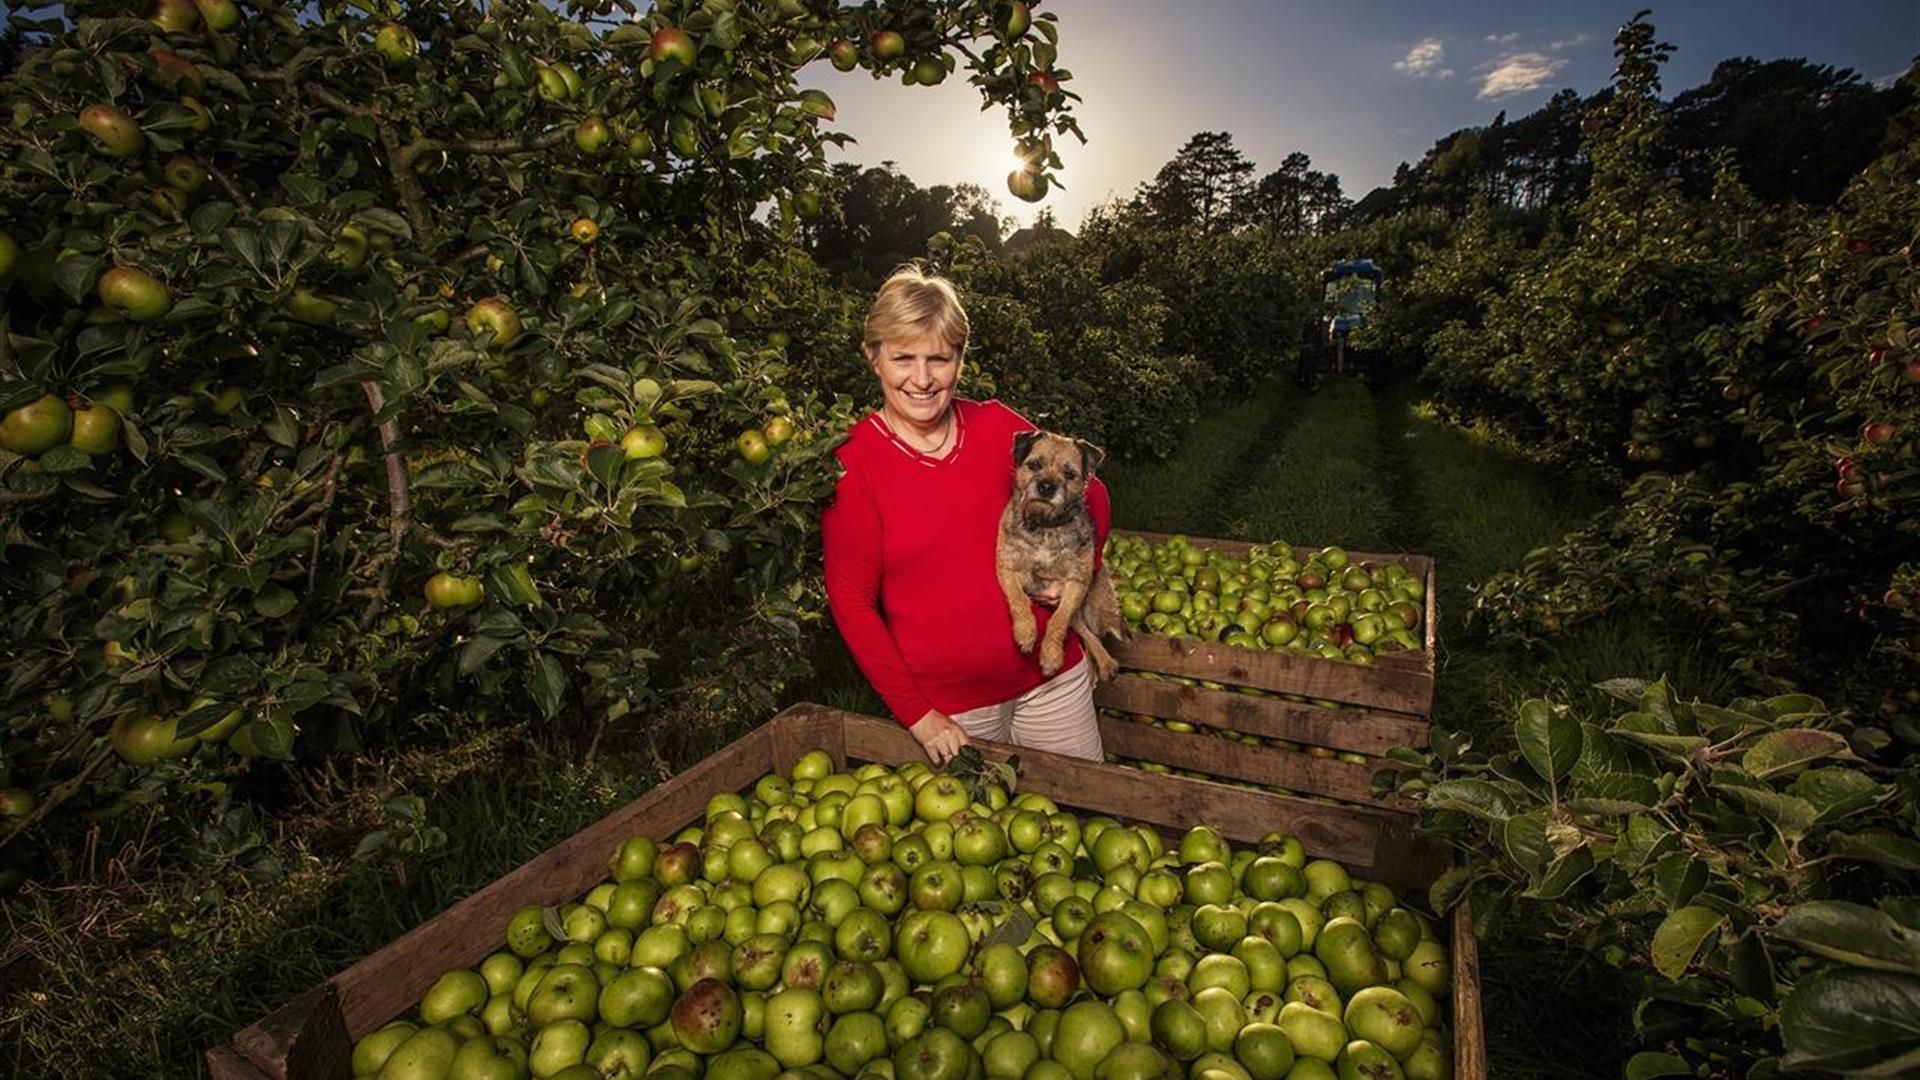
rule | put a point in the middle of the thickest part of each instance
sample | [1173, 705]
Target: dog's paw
[1025, 633]
[1104, 667]
[1053, 655]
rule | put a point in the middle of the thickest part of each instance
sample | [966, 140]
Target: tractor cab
[1351, 291]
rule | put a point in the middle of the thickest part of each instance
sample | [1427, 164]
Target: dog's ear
[1022, 443]
[1090, 456]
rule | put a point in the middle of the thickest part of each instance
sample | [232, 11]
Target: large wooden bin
[312, 1037]
[1374, 706]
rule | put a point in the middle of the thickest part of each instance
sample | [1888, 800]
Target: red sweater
[909, 543]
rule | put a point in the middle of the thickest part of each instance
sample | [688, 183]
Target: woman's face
[917, 377]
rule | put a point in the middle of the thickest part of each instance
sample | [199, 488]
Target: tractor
[1350, 297]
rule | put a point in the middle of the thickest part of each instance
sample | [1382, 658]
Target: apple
[134, 294]
[457, 993]
[1018, 19]
[559, 1046]
[817, 103]
[114, 131]
[929, 72]
[449, 592]
[844, 54]
[309, 308]
[1115, 954]
[373, 1050]
[931, 945]
[1027, 185]
[221, 15]
[706, 1019]
[426, 1052]
[753, 447]
[395, 43]
[888, 45]
[184, 174]
[175, 16]
[146, 740]
[1385, 1017]
[592, 135]
[1088, 1031]
[494, 316]
[37, 426]
[1046, 81]
[671, 44]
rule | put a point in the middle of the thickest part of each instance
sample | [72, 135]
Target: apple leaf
[1562, 874]
[1837, 792]
[1891, 850]
[1679, 877]
[1651, 1064]
[548, 684]
[1448, 888]
[1680, 936]
[1790, 815]
[1852, 934]
[1525, 838]
[1644, 840]
[1013, 930]
[1846, 1020]
[1477, 797]
[1783, 751]
[1548, 738]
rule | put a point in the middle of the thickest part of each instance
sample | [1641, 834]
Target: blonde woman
[909, 542]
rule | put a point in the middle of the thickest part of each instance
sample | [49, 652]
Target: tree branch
[521, 144]
[226, 183]
[398, 500]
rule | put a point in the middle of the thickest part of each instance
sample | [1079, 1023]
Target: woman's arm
[850, 541]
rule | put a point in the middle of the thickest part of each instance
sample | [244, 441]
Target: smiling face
[917, 377]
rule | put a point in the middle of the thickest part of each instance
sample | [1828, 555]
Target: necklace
[930, 452]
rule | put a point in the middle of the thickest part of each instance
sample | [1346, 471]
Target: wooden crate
[1379, 705]
[312, 1037]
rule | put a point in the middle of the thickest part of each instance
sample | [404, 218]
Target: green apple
[427, 1053]
[638, 997]
[1087, 1032]
[558, 1046]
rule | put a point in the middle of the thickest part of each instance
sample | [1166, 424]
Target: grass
[161, 955]
[1191, 490]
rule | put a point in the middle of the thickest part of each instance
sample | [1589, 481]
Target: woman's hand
[939, 736]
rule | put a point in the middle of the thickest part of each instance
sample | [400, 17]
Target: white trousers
[1057, 716]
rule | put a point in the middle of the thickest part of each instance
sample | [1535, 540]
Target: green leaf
[1680, 936]
[1790, 815]
[1861, 1023]
[1853, 935]
[1563, 874]
[1447, 889]
[512, 583]
[1548, 738]
[1613, 793]
[1477, 797]
[1525, 838]
[1837, 792]
[273, 602]
[201, 717]
[1783, 751]
[1644, 840]
[477, 651]
[1679, 877]
[548, 684]
[1879, 847]
[1650, 1064]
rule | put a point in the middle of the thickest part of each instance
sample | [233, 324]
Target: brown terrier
[1047, 538]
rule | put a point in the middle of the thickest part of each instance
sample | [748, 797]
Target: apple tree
[377, 369]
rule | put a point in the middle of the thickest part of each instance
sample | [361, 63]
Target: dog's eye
[1030, 465]
[1069, 474]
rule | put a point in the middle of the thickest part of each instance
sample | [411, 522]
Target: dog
[1047, 537]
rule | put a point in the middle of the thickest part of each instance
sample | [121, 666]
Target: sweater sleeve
[850, 543]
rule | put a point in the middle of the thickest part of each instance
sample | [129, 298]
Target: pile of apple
[902, 924]
[49, 421]
[1327, 605]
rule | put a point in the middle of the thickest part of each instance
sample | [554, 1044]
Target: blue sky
[1360, 87]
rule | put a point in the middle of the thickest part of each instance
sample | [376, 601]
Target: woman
[909, 541]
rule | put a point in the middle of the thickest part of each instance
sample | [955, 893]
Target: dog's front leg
[1053, 650]
[1018, 605]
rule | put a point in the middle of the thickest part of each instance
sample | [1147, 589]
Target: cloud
[1507, 38]
[1427, 59]
[1519, 73]
[1567, 43]
[1885, 82]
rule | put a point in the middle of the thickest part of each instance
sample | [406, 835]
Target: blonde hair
[915, 304]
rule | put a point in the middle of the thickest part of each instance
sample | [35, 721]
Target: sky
[1359, 86]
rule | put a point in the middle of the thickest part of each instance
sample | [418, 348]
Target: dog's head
[1051, 474]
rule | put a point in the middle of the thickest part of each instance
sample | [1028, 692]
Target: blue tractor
[1351, 294]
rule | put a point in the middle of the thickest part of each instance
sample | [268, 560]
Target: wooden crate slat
[306, 1038]
[1394, 689]
[1363, 731]
[226, 1063]
[1469, 1032]
[803, 728]
[1343, 833]
[1267, 766]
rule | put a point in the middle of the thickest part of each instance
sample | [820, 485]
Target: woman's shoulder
[993, 410]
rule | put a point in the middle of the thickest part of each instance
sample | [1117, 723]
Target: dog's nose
[1046, 488]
